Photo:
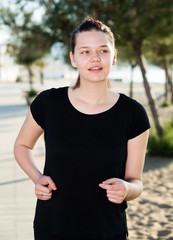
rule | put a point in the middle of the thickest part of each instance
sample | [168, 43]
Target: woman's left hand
[116, 189]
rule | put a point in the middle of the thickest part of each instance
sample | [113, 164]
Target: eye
[84, 52]
[104, 51]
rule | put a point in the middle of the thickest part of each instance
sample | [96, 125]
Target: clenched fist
[115, 188]
[44, 187]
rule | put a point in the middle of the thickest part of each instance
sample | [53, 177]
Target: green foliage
[32, 93]
[28, 41]
[132, 22]
[162, 146]
[165, 104]
[31, 46]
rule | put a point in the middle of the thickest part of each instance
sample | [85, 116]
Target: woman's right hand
[43, 187]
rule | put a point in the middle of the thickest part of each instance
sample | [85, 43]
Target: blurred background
[34, 55]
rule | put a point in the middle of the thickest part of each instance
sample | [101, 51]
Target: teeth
[96, 68]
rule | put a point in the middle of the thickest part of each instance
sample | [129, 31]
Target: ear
[115, 57]
[72, 60]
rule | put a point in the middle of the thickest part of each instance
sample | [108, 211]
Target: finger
[46, 197]
[118, 201]
[43, 196]
[46, 181]
[114, 196]
[109, 187]
[110, 181]
[105, 186]
[51, 184]
[50, 188]
[42, 189]
[115, 192]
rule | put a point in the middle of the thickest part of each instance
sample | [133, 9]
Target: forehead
[92, 38]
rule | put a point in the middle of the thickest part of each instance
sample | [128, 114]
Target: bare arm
[130, 188]
[136, 149]
[23, 146]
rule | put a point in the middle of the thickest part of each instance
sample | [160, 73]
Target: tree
[28, 41]
[41, 64]
[162, 56]
[125, 55]
[135, 21]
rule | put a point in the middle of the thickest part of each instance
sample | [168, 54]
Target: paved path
[17, 199]
[16, 190]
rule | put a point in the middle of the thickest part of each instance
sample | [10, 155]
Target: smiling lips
[95, 68]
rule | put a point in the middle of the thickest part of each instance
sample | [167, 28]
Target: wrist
[128, 189]
[36, 177]
[134, 189]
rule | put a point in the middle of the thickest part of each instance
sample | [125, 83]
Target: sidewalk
[17, 191]
[17, 198]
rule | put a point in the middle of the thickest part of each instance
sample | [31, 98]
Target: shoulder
[131, 104]
[136, 116]
[47, 101]
[51, 93]
[47, 98]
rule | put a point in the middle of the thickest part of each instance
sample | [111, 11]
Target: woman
[95, 143]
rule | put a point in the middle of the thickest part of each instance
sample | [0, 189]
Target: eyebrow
[90, 47]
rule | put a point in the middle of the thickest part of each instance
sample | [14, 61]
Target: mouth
[95, 68]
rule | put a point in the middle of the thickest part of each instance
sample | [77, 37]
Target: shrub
[162, 146]
[165, 104]
[32, 93]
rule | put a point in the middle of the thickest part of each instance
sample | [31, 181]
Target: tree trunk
[166, 87]
[169, 78]
[140, 61]
[41, 77]
[30, 77]
[133, 65]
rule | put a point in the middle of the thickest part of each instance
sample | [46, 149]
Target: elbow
[19, 149]
[16, 147]
[16, 150]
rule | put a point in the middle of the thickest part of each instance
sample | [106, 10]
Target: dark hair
[87, 25]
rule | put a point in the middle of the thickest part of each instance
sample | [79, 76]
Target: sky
[4, 36]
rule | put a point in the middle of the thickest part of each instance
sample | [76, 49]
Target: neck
[92, 93]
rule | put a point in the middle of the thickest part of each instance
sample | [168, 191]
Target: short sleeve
[38, 109]
[139, 121]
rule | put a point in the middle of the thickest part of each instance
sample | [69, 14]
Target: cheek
[108, 60]
[81, 62]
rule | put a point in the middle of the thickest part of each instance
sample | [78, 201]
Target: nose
[95, 57]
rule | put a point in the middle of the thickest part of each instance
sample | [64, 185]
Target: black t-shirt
[82, 150]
